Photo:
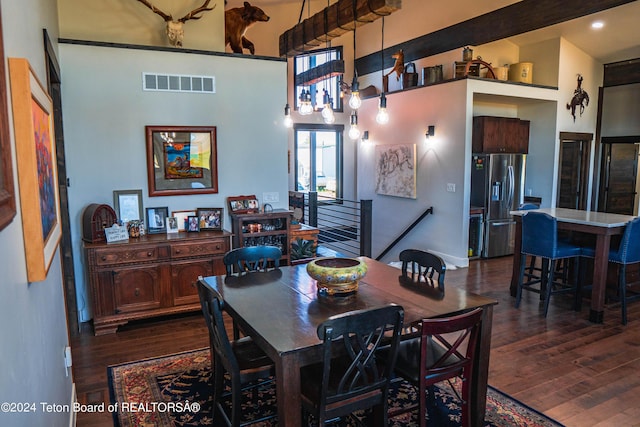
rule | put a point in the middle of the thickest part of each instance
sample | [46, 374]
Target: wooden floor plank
[582, 374]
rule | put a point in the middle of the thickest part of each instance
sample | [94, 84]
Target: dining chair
[423, 266]
[540, 239]
[357, 379]
[445, 349]
[252, 258]
[249, 259]
[627, 252]
[242, 360]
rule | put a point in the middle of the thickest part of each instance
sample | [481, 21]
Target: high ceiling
[618, 40]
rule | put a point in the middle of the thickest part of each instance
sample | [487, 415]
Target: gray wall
[33, 329]
[106, 111]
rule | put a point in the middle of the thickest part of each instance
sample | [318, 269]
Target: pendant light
[355, 102]
[288, 121]
[383, 116]
[354, 132]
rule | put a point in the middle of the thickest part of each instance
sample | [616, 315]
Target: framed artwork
[192, 223]
[210, 218]
[156, 220]
[7, 189]
[182, 217]
[172, 225]
[396, 170]
[243, 204]
[181, 160]
[128, 205]
[37, 168]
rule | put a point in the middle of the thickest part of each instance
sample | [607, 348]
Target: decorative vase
[337, 276]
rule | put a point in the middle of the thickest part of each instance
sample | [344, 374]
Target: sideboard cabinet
[150, 276]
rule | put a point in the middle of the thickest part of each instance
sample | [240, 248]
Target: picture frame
[181, 160]
[156, 219]
[128, 205]
[182, 217]
[243, 204]
[37, 168]
[192, 223]
[172, 225]
[210, 219]
[7, 188]
[395, 173]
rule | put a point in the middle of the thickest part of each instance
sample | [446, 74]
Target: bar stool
[540, 239]
[628, 252]
[529, 271]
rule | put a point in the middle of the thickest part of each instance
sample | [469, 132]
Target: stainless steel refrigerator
[497, 185]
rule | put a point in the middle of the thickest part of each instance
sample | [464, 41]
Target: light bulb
[327, 111]
[288, 121]
[382, 117]
[354, 132]
[355, 102]
[330, 119]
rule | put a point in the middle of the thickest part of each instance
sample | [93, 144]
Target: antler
[194, 12]
[154, 9]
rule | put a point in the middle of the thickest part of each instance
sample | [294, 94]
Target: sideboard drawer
[205, 247]
[125, 255]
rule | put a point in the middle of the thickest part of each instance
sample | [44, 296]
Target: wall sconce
[431, 131]
[365, 136]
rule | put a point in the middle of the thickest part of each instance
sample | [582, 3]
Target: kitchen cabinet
[269, 228]
[500, 135]
[150, 276]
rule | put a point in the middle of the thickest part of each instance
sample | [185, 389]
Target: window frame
[338, 105]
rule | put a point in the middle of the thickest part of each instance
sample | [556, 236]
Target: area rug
[174, 391]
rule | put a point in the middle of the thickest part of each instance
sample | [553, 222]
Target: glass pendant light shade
[355, 102]
[383, 116]
[354, 132]
[288, 121]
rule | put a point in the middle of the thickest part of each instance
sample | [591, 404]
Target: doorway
[619, 171]
[573, 173]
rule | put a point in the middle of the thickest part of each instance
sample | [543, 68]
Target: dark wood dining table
[602, 225]
[281, 310]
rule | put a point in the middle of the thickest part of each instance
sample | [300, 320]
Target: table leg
[478, 399]
[600, 265]
[288, 391]
[517, 259]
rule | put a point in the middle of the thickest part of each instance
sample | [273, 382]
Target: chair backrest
[528, 206]
[539, 234]
[252, 258]
[629, 250]
[457, 338]
[212, 305]
[357, 335]
[423, 267]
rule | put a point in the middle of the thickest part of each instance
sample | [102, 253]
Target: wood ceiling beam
[332, 22]
[518, 18]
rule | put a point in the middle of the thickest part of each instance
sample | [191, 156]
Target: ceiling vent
[178, 83]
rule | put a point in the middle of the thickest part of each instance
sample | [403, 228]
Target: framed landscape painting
[37, 168]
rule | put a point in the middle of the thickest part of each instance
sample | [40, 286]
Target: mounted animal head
[175, 32]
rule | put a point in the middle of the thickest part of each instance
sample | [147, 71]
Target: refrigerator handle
[511, 187]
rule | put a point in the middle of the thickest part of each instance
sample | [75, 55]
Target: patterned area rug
[174, 391]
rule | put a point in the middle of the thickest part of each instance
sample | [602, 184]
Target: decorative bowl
[337, 276]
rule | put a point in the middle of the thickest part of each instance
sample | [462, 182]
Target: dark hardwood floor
[577, 372]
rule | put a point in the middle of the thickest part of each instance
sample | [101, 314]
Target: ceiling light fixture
[597, 25]
[354, 132]
[383, 116]
[355, 102]
[288, 121]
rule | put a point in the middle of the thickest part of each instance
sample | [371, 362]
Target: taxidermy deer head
[175, 32]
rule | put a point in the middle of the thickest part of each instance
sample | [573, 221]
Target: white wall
[106, 111]
[621, 110]
[32, 315]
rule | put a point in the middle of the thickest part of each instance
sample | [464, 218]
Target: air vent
[178, 83]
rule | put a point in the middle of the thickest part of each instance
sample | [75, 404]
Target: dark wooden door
[620, 165]
[573, 171]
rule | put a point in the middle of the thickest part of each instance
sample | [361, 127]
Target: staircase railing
[405, 232]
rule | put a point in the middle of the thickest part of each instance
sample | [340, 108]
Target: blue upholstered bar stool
[530, 274]
[540, 239]
[628, 252]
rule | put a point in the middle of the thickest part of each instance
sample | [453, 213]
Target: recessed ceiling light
[597, 25]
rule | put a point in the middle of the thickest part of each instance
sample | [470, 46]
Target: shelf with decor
[269, 228]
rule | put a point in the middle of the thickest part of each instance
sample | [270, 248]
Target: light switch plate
[270, 197]
[451, 188]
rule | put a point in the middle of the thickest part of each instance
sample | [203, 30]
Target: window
[304, 63]
[318, 159]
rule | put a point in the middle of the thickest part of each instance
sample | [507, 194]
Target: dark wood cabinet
[270, 228]
[150, 276]
[500, 135]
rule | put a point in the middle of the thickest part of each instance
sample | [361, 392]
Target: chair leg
[622, 284]
[520, 281]
[577, 298]
[549, 274]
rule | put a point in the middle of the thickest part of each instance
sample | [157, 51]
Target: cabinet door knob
[149, 253]
[193, 284]
[177, 251]
[218, 246]
[137, 292]
[104, 258]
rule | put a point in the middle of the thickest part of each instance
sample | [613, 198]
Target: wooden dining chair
[248, 259]
[421, 266]
[243, 361]
[356, 379]
[445, 349]
[627, 252]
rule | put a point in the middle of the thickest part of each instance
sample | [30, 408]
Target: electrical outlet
[270, 197]
[451, 188]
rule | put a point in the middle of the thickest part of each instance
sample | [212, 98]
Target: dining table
[600, 224]
[281, 310]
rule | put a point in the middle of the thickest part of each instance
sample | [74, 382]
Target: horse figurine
[580, 98]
